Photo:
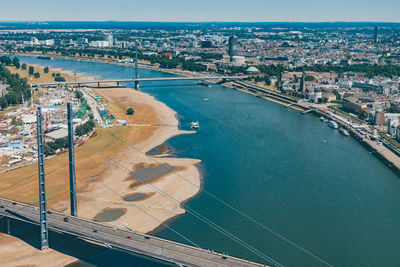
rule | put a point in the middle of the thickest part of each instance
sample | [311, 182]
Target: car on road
[129, 237]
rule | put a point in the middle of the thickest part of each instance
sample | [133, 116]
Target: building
[376, 35]
[238, 60]
[303, 82]
[379, 118]
[82, 41]
[398, 134]
[354, 105]
[57, 134]
[48, 42]
[233, 44]
[253, 71]
[59, 42]
[110, 39]
[329, 96]
[392, 125]
[99, 44]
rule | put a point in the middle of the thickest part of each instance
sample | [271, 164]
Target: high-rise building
[376, 35]
[303, 82]
[110, 39]
[379, 118]
[233, 46]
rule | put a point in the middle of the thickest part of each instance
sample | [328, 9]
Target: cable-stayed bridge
[116, 238]
[122, 238]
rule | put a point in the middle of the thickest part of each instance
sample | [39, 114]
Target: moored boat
[344, 132]
[333, 125]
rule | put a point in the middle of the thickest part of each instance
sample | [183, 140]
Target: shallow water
[148, 174]
[109, 215]
[136, 197]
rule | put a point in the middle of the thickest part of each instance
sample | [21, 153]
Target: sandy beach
[116, 182]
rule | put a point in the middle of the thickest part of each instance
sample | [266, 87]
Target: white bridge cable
[194, 213]
[221, 200]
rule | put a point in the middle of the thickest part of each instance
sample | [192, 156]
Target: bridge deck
[143, 80]
[118, 238]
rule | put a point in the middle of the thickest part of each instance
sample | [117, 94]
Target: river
[289, 171]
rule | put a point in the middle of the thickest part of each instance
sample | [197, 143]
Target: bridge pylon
[71, 155]
[44, 231]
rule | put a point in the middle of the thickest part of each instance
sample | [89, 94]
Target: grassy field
[22, 184]
[44, 77]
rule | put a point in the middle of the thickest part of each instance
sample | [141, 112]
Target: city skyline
[202, 11]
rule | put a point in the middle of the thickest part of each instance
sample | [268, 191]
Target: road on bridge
[122, 239]
[142, 80]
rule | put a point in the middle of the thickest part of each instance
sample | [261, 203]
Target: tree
[59, 79]
[85, 128]
[36, 75]
[46, 70]
[130, 111]
[16, 62]
[3, 103]
[322, 100]
[310, 78]
[23, 66]
[31, 70]
[363, 115]
[78, 94]
[338, 96]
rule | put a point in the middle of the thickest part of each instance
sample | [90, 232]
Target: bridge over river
[138, 80]
[122, 239]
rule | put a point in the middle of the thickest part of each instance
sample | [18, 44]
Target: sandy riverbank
[101, 185]
[117, 183]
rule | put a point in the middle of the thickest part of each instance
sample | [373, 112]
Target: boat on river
[344, 132]
[333, 125]
[195, 125]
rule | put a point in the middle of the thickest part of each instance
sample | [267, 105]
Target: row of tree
[50, 148]
[17, 89]
[85, 128]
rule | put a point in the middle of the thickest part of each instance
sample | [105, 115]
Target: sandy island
[107, 193]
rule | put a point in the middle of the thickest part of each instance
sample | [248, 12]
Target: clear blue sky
[202, 10]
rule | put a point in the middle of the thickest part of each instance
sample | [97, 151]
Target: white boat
[195, 125]
[323, 119]
[333, 125]
[344, 132]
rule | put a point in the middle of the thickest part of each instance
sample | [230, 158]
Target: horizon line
[210, 21]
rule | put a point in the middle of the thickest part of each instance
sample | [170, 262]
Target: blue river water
[288, 171]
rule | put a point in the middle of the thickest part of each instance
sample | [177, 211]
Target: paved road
[143, 80]
[122, 238]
